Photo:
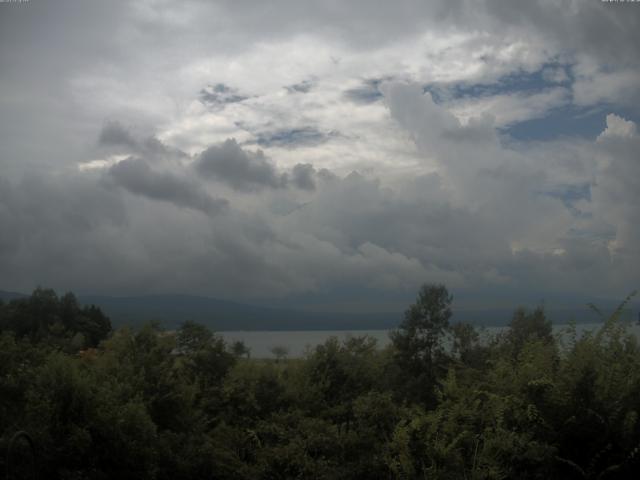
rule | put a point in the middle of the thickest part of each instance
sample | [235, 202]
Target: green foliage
[239, 349]
[253, 391]
[418, 343]
[280, 352]
[467, 348]
[60, 322]
[526, 327]
[438, 404]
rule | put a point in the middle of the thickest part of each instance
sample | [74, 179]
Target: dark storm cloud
[327, 175]
[242, 170]
[44, 217]
[219, 95]
[302, 176]
[153, 147]
[363, 23]
[609, 31]
[115, 134]
[569, 195]
[68, 229]
[136, 176]
[115, 137]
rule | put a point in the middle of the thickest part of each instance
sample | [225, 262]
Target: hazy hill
[7, 296]
[220, 315]
[172, 310]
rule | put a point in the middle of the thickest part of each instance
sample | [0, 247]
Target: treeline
[437, 403]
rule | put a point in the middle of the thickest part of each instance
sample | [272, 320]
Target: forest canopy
[438, 402]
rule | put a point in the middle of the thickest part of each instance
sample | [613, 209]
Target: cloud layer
[246, 152]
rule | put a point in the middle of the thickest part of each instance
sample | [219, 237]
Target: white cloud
[618, 127]
[596, 84]
[508, 109]
[616, 193]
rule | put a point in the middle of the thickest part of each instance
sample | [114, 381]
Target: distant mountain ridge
[225, 315]
[172, 310]
[8, 296]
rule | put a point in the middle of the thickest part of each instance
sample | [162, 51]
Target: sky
[332, 154]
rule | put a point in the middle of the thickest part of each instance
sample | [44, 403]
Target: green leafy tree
[43, 317]
[206, 361]
[280, 352]
[240, 349]
[467, 347]
[527, 326]
[418, 342]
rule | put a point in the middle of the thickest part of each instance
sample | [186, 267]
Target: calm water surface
[299, 342]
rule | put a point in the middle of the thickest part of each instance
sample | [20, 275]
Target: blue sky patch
[295, 137]
[569, 195]
[219, 95]
[568, 122]
[368, 92]
[550, 75]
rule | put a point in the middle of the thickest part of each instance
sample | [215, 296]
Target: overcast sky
[341, 152]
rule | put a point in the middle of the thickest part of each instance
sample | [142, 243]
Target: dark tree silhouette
[418, 341]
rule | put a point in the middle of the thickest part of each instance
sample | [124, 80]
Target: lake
[298, 342]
